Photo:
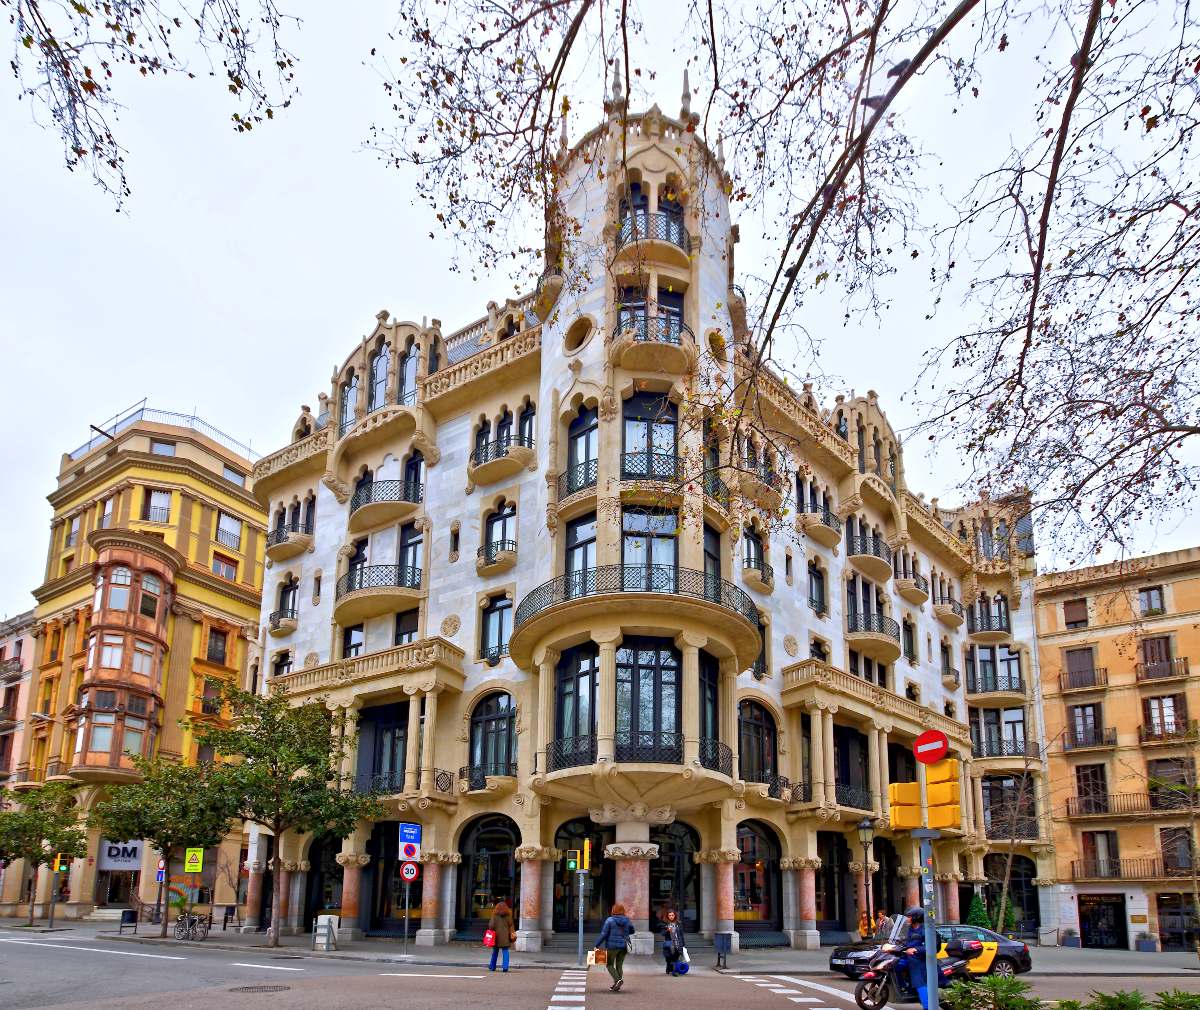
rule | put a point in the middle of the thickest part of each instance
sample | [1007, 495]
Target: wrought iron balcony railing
[802, 792]
[577, 478]
[380, 782]
[989, 683]
[499, 448]
[649, 466]
[826, 517]
[880, 624]
[1167, 731]
[380, 491]
[653, 747]
[1082, 680]
[779, 787]
[1163, 669]
[642, 224]
[230, 539]
[716, 756]
[156, 514]
[280, 533]
[1097, 736]
[979, 620]
[853, 795]
[570, 752]
[869, 546]
[489, 551]
[759, 565]
[994, 747]
[279, 616]
[952, 603]
[1138, 868]
[476, 776]
[716, 489]
[378, 577]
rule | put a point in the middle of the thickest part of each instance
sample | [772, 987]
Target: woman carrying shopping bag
[500, 925]
[614, 938]
[672, 933]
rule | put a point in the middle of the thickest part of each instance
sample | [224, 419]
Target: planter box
[1146, 946]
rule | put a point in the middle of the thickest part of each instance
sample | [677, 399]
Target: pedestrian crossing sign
[193, 860]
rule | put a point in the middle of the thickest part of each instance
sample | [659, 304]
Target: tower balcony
[373, 590]
[384, 501]
[287, 541]
[986, 627]
[505, 457]
[821, 526]
[914, 588]
[659, 236]
[661, 343]
[871, 557]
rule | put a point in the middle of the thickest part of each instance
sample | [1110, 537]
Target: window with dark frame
[218, 642]
[353, 639]
[1075, 614]
[495, 628]
[406, 627]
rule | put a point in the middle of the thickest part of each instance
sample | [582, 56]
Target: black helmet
[915, 915]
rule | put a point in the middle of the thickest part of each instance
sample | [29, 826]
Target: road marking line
[804, 999]
[94, 950]
[566, 999]
[790, 992]
[827, 990]
[421, 974]
[270, 967]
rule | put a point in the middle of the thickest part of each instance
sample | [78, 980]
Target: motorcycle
[886, 973]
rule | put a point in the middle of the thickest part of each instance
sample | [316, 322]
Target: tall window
[1165, 715]
[1091, 788]
[752, 548]
[504, 429]
[349, 402]
[712, 563]
[635, 212]
[102, 732]
[151, 591]
[497, 625]
[670, 315]
[710, 700]
[502, 527]
[581, 556]
[143, 658]
[407, 392]
[648, 701]
[648, 549]
[377, 393]
[1150, 601]
[217, 643]
[649, 435]
[582, 450]
[816, 587]
[909, 634]
[352, 641]
[1075, 614]
[406, 627]
[72, 532]
[1178, 849]
[119, 582]
[414, 475]
[289, 593]
[356, 562]
[410, 560]
[156, 506]
[1156, 656]
[112, 651]
[525, 425]
[493, 742]
[135, 733]
[229, 530]
[757, 750]
[483, 437]
[575, 710]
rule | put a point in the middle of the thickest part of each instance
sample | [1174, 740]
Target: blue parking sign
[410, 833]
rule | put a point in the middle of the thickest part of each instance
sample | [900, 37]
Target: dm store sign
[120, 855]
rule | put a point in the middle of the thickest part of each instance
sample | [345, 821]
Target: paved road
[73, 971]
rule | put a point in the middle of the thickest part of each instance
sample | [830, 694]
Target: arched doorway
[603, 882]
[323, 891]
[757, 887]
[386, 891]
[834, 883]
[488, 871]
[675, 875]
[888, 889]
[1021, 890]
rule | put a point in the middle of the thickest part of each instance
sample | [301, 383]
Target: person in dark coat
[914, 955]
[672, 933]
[501, 924]
[614, 938]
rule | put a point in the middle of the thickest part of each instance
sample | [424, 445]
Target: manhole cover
[260, 988]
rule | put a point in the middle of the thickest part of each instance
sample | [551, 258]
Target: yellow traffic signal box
[904, 800]
[942, 793]
[587, 854]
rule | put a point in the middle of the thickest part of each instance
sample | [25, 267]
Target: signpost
[929, 748]
[161, 877]
[410, 842]
[58, 859]
[408, 873]
[193, 862]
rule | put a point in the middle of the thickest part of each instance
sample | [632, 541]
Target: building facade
[1118, 686]
[564, 590]
[151, 596]
[16, 658]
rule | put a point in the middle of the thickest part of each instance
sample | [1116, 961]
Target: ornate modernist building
[1118, 688]
[16, 658]
[572, 575]
[152, 590]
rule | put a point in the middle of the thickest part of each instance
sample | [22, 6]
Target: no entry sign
[409, 872]
[931, 746]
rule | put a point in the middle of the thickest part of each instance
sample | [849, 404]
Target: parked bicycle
[190, 926]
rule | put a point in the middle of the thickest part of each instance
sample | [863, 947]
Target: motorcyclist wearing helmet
[914, 954]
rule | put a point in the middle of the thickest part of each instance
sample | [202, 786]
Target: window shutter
[1075, 611]
[1181, 712]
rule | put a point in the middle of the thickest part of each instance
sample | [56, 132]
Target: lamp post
[866, 835]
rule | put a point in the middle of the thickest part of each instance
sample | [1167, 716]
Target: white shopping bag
[685, 957]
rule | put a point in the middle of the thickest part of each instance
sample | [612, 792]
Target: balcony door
[649, 547]
[1091, 788]
[1101, 856]
[648, 701]
[581, 556]
[575, 709]
[1084, 723]
[757, 743]
[649, 438]
[582, 450]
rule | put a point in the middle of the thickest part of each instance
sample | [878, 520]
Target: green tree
[38, 825]
[174, 806]
[281, 763]
[977, 913]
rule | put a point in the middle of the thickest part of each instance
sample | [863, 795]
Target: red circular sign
[410, 850]
[931, 746]
[409, 872]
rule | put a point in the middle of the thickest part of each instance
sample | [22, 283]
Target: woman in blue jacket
[614, 936]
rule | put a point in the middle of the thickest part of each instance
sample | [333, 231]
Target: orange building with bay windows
[151, 598]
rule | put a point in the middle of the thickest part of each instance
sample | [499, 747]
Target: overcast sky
[244, 267]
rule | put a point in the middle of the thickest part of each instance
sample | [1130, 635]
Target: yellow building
[151, 596]
[1117, 683]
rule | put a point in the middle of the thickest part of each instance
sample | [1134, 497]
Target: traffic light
[572, 860]
[942, 794]
[587, 855]
[904, 800]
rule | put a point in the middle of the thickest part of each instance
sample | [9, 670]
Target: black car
[1001, 956]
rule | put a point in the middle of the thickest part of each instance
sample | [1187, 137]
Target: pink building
[16, 658]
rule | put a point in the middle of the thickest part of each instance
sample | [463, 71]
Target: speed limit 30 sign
[409, 872]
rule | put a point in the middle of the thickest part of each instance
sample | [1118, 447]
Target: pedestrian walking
[883, 925]
[614, 938]
[501, 925]
[672, 933]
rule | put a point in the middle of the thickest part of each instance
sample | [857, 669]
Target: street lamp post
[866, 835]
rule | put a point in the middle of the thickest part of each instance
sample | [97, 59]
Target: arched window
[349, 402]
[151, 591]
[575, 708]
[364, 482]
[280, 518]
[752, 549]
[434, 359]
[407, 391]
[757, 752]
[310, 512]
[377, 395]
[525, 425]
[635, 213]
[288, 594]
[582, 451]
[495, 628]
[504, 428]
[118, 588]
[493, 741]
[648, 701]
[414, 475]
[501, 532]
[483, 437]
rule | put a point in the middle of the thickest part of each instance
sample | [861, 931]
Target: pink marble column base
[724, 881]
[633, 891]
[431, 889]
[912, 892]
[808, 897]
[531, 894]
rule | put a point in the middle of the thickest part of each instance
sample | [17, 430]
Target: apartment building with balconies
[151, 597]
[16, 655]
[563, 590]
[1118, 687]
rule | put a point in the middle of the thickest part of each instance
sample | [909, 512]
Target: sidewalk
[1047, 961]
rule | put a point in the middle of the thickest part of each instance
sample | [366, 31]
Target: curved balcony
[1006, 755]
[372, 590]
[665, 592]
[662, 343]
[577, 479]
[282, 622]
[949, 611]
[757, 574]
[657, 467]
[497, 460]
[987, 627]
[380, 425]
[716, 756]
[850, 794]
[996, 684]
[874, 635]
[481, 777]
[498, 556]
[287, 541]
[870, 556]
[761, 485]
[914, 588]
[821, 526]
[778, 787]
[570, 752]
[649, 747]
[659, 235]
[384, 501]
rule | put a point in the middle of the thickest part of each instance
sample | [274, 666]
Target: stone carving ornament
[450, 626]
[790, 645]
[631, 850]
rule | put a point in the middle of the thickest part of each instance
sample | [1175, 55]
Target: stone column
[349, 745]
[542, 725]
[860, 891]
[830, 776]
[606, 718]
[690, 645]
[723, 862]
[254, 895]
[283, 881]
[633, 888]
[546, 922]
[708, 906]
[529, 930]
[873, 768]
[427, 769]
[352, 864]
[977, 803]
[885, 777]
[808, 938]
[816, 757]
[791, 913]
[912, 885]
[951, 913]
[728, 710]
[411, 753]
[431, 932]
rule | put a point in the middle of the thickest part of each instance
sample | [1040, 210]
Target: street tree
[281, 763]
[39, 824]
[173, 807]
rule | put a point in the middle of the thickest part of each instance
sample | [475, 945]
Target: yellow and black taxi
[1000, 955]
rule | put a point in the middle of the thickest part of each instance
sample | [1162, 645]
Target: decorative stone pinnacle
[685, 108]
